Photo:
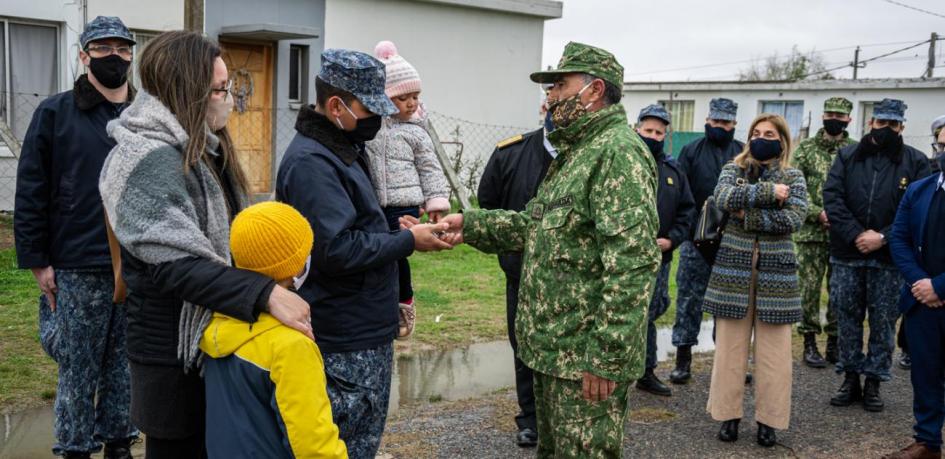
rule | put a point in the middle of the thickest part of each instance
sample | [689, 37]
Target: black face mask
[764, 149]
[884, 139]
[111, 70]
[719, 136]
[655, 146]
[835, 127]
[365, 129]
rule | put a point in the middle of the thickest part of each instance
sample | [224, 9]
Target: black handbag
[709, 230]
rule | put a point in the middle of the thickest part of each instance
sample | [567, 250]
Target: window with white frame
[141, 37]
[681, 112]
[29, 72]
[298, 56]
[792, 111]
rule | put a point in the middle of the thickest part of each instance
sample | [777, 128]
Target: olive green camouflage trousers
[570, 426]
[813, 262]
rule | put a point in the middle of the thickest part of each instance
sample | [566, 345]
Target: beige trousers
[772, 375]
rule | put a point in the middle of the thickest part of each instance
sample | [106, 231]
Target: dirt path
[675, 427]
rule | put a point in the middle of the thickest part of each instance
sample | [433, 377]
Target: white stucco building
[800, 102]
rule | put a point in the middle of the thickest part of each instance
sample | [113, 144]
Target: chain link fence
[16, 111]
[468, 145]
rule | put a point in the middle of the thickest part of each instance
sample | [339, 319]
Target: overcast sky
[653, 39]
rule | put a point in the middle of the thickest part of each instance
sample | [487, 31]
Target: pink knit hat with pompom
[402, 78]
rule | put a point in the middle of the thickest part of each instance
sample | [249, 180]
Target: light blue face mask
[297, 282]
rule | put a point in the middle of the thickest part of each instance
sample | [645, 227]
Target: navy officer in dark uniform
[509, 181]
[676, 208]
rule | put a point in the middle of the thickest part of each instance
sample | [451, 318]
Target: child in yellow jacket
[265, 382]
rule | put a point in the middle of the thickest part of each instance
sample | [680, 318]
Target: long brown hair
[177, 68]
[744, 159]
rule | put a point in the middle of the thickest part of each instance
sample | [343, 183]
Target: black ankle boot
[833, 352]
[812, 356]
[849, 392]
[729, 431]
[871, 399]
[766, 436]
[652, 384]
[681, 374]
[119, 449]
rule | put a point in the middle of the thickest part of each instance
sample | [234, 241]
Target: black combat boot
[833, 353]
[766, 436]
[729, 431]
[849, 392]
[812, 356]
[871, 399]
[650, 383]
[681, 374]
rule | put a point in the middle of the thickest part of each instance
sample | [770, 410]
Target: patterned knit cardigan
[777, 295]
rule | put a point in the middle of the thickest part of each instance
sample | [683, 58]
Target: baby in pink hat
[405, 170]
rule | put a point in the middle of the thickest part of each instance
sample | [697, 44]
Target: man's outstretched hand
[449, 229]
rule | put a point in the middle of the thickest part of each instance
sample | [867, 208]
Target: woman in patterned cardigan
[754, 286]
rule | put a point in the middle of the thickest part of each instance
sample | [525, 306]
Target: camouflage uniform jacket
[590, 253]
[813, 157]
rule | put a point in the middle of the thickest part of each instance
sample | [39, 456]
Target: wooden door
[251, 71]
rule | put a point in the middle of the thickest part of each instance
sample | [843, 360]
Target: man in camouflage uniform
[590, 258]
[813, 157]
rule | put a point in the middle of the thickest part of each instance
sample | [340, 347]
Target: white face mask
[218, 112]
[297, 282]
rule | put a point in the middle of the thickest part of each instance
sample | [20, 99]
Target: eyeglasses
[98, 51]
[226, 90]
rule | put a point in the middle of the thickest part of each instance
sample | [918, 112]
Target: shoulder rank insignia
[510, 141]
[669, 181]
[903, 183]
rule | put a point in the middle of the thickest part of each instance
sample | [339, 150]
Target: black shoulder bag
[709, 230]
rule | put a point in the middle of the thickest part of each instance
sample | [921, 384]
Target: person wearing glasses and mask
[60, 234]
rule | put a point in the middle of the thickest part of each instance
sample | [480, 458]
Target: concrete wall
[926, 101]
[474, 63]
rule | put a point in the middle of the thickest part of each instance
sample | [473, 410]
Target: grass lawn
[27, 375]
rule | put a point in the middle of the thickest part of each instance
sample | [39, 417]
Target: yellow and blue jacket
[266, 392]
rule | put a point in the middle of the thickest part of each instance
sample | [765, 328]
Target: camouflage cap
[360, 74]
[722, 109]
[838, 105]
[890, 109]
[655, 111]
[937, 124]
[581, 58]
[103, 27]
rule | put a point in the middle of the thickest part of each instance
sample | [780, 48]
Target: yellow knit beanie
[271, 238]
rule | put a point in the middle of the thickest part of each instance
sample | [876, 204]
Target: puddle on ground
[422, 376]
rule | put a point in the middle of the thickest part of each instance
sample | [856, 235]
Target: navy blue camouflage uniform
[701, 162]
[352, 287]
[675, 206]
[59, 222]
[862, 192]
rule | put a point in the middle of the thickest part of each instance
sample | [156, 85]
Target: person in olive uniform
[509, 181]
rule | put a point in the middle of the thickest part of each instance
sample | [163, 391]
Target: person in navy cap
[676, 208]
[862, 192]
[59, 229]
[352, 285]
[701, 162]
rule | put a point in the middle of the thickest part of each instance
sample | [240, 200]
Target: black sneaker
[905, 362]
[527, 438]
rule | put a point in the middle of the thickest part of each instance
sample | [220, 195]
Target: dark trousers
[524, 377]
[393, 215]
[925, 329]
[359, 390]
